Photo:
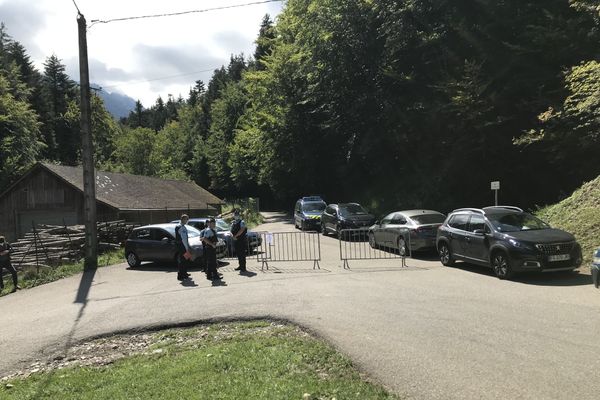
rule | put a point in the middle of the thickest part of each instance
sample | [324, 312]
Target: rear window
[425, 219]
[459, 221]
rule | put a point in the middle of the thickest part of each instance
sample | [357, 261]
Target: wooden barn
[53, 194]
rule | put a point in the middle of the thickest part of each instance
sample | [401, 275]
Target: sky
[134, 57]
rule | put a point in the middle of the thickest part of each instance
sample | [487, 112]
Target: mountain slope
[580, 215]
[119, 105]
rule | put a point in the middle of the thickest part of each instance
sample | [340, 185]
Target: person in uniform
[209, 242]
[5, 251]
[183, 247]
[239, 231]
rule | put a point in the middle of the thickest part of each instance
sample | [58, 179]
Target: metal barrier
[360, 244]
[289, 247]
[253, 244]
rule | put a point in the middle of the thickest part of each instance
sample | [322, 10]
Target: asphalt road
[426, 331]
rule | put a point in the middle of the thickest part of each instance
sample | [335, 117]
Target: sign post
[495, 187]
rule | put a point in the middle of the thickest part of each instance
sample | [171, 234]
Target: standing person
[5, 251]
[239, 231]
[209, 241]
[183, 247]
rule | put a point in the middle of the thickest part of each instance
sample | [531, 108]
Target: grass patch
[257, 360]
[578, 214]
[30, 277]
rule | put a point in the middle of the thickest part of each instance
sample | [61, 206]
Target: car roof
[161, 226]
[413, 213]
[348, 204]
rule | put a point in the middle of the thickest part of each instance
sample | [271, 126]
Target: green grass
[580, 215]
[228, 361]
[250, 213]
[31, 278]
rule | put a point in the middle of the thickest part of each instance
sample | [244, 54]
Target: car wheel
[132, 260]
[501, 265]
[402, 246]
[372, 242]
[445, 255]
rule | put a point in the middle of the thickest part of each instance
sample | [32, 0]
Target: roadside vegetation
[30, 277]
[254, 360]
[580, 215]
[249, 209]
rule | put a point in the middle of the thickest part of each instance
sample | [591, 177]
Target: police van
[307, 213]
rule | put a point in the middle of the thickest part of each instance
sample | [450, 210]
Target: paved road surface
[426, 331]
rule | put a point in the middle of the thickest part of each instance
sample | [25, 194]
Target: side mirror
[166, 240]
[479, 232]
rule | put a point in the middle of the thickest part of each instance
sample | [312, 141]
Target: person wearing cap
[5, 251]
[239, 232]
[209, 242]
[183, 247]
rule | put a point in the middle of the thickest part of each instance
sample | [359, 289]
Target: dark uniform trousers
[6, 264]
[241, 247]
[210, 255]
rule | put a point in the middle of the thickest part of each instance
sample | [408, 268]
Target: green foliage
[19, 134]
[227, 361]
[580, 215]
[133, 150]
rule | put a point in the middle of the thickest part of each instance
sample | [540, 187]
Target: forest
[395, 104]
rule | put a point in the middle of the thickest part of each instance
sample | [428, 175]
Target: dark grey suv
[508, 240]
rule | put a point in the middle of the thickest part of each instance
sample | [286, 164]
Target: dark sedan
[346, 216]
[396, 230]
[224, 232]
[157, 243]
[596, 268]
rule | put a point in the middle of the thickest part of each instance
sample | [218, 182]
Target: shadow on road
[166, 267]
[560, 278]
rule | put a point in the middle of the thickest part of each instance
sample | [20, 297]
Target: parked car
[307, 213]
[596, 268]
[338, 217]
[157, 243]
[396, 230]
[224, 232]
[508, 240]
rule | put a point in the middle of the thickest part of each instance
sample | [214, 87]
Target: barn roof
[135, 192]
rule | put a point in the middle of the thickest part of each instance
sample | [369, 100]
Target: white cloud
[124, 53]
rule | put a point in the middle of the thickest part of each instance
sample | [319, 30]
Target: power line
[106, 21]
[75, 4]
[159, 79]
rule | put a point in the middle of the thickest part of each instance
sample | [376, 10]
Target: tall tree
[58, 89]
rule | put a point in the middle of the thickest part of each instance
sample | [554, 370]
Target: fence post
[37, 262]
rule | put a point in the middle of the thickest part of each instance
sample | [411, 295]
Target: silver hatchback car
[398, 229]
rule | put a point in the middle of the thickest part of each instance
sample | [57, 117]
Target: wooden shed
[53, 194]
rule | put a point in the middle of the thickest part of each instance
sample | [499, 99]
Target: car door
[380, 230]
[163, 245]
[297, 212]
[458, 234]
[478, 243]
[397, 226]
[143, 244]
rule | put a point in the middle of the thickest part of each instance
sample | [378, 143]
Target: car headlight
[515, 243]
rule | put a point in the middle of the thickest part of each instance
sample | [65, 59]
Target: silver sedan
[396, 230]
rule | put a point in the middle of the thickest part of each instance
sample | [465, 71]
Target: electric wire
[106, 21]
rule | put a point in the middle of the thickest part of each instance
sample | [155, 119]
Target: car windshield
[222, 226]
[425, 219]
[352, 209]
[516, 222]
[192, 232]
[313, 207]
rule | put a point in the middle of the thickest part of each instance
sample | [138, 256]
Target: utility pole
[87, 151]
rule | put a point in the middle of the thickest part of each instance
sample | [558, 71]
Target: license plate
[559, 257]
